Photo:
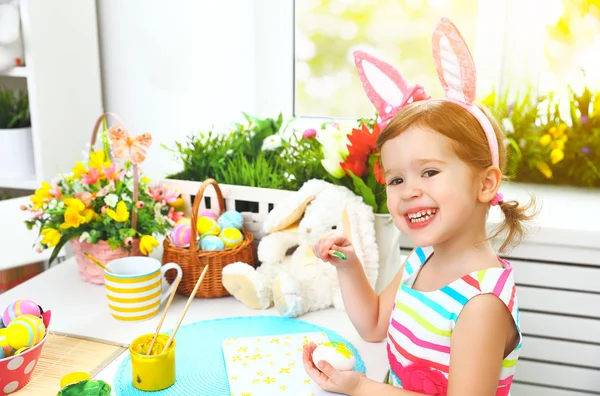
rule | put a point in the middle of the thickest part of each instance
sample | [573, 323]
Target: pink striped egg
[209, 213]
[18, 308]
[181, 234]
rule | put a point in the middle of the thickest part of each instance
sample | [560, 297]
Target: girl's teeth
[421, 216]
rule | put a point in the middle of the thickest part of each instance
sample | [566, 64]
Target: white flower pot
[16, 154]
[387, 237]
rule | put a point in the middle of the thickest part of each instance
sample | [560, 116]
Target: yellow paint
[154, 372]
[340, 348]
[73, 378]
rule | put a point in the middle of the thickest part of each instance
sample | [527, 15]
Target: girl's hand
[328, 378]
[335, 241]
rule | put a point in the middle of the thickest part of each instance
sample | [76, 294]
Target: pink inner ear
[454, 63]
[381, 74]
[385, 87]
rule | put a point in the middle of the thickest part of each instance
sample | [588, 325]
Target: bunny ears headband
[455, 69]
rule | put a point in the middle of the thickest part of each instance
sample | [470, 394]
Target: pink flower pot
[92, 272]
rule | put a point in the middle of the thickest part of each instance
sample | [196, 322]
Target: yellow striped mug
[137, 286]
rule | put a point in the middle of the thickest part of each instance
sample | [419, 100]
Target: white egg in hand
[335, 353]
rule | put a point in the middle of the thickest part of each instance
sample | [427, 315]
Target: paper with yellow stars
[270, 365]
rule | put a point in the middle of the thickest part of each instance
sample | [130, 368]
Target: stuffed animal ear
[385, 87]
[359, 226]
[294, 217]
[290, 212]
[454, 63]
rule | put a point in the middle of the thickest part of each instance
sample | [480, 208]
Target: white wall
[171, 68]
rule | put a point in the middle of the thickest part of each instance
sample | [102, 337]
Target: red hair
[471, 146]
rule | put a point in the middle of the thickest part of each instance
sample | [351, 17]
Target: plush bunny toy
[290, 275]
[11, 44]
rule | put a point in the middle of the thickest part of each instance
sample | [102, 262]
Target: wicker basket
[193, 260]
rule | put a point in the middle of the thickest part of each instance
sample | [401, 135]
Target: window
[571, 45]
[398, 31]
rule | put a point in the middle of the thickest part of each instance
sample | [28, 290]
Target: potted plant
[16, 150]
[104, 207]
[258, 153]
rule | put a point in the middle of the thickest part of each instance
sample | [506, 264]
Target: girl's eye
[430, 173]
[396, 181]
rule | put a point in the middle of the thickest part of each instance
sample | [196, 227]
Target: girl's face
[432, 195]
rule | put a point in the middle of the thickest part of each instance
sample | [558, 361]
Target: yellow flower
[41, 195]
[88, 215]
[558, 145]
[121, 215]
[75, 204]
[147, 244]
[51, 237]
[97, 160]
[545, 140]
[145, 180]
[557, 132]
[544, 169]
[557, 155]
[72, 218]
[76, 213]
[78, 170]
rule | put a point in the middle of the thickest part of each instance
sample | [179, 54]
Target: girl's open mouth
[421, 218]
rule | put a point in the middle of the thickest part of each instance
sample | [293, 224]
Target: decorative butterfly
[122, 145]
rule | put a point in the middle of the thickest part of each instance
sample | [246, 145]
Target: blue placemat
[199, 356]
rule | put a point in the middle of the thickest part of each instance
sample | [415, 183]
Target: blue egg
[231, 219]
[211, 242]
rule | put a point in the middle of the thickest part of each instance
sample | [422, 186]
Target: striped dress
[421, 325]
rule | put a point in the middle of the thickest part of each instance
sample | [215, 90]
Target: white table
[80, 308]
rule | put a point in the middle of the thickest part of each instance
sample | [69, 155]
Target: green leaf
[58, 248]
[361, 189]
[383, 207]
[114, 243]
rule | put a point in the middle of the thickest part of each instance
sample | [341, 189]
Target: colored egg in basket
[211, 242]
[18, 308]
[231, 237]
[25, 331]
[209, 213]
[184, 220]
[181, 234]
[5, 348]
[207, 226]
[231, 219]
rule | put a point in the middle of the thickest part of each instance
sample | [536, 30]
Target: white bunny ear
[385, 87]
[291, 211]
[454, 63]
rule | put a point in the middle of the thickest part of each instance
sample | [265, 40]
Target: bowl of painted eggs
[23, 332]
[214, 232]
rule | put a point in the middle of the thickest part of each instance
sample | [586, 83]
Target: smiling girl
[450, 315]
